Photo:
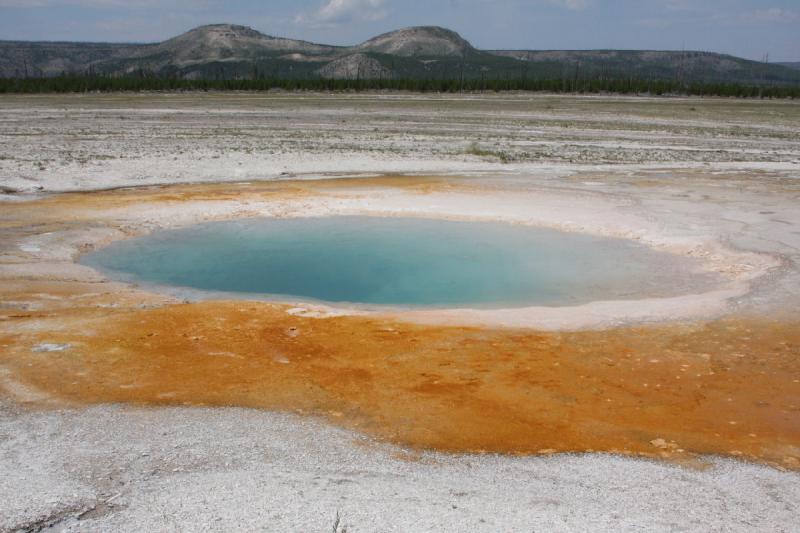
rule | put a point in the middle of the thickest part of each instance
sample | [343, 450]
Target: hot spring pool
[403, 262]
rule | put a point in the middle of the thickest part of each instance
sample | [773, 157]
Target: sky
[745, 28]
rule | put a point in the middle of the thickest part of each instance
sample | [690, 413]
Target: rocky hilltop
[224, 42]
[419, 41]
[225, 51]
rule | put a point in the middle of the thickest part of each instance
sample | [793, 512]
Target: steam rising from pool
[400, 262]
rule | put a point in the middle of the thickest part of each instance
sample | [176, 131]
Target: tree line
[99, 83]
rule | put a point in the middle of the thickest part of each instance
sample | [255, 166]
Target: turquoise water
[397, 261]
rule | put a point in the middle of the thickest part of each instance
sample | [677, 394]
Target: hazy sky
[747, 28]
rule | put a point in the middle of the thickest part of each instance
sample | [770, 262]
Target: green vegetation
[143, 82]
[475, 149]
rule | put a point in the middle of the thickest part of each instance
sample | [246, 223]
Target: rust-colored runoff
[726, 387]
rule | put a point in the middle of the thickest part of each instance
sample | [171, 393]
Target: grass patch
[476, 150]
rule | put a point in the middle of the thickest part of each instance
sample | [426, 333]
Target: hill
[419, 41]
[652, 64]
[229, 51]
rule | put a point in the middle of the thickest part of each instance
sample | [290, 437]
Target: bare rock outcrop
[355, 66]
[418, 41]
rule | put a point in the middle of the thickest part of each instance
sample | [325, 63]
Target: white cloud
[770, 15]
[338, 11]
[49, 3]
[773, 14]
[130, 4]
[574, 5]
[766, 16]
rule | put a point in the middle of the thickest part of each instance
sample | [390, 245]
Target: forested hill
[231, 52]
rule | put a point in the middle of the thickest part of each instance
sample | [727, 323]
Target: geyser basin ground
[679, 175]
[401, 262]
[452, 379]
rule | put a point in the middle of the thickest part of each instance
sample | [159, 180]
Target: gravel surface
[79, 142]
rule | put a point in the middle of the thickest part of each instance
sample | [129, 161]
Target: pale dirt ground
[85, 142]
[188, 469]
[714, 177]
